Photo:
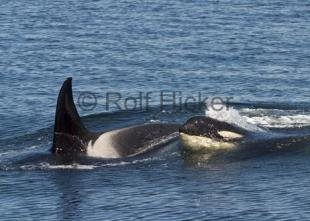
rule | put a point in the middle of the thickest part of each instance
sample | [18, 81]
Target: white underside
[103, 147]
[205, 144]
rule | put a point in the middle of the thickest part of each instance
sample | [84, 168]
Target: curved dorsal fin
[70, 135]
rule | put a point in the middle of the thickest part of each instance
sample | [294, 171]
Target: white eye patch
[228, 135]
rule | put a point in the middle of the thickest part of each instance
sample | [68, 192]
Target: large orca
[72, 139]
[204, 135]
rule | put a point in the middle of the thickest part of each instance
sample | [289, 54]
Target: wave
[18, 151]
[276, 118]
[232, 116]
[90, 164]
[260, 119]
[47, 166]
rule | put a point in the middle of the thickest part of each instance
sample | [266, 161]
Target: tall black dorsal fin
[70, 135]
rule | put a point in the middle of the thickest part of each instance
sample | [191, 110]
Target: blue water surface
[257, 52]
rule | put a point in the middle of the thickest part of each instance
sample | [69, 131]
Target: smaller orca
[203, 137]
[202, 133]
[72, 139]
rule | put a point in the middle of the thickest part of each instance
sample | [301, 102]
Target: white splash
[255, 119]
[155, 121]
[71, 166]
[77, 166]
[277, 118]
[232, 116]
[47, 166]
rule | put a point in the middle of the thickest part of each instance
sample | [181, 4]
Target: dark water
[254, 51]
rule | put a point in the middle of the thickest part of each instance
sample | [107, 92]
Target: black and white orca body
[205, 136]
[71, 138]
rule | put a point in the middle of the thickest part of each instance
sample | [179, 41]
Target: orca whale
[204, 135]
[73, 139]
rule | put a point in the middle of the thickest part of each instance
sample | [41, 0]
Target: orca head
[211, 128]
[206, 133]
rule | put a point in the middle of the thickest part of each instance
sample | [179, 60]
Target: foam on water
[124, 163]
[48, 166]
[76, 166]
[232, 116]
[257, 119]
[276, 118]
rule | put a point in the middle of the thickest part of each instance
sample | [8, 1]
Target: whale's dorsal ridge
[70, 134]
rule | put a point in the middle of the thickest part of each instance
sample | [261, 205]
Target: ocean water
[255, 52]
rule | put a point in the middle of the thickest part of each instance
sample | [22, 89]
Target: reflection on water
[68, 184]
